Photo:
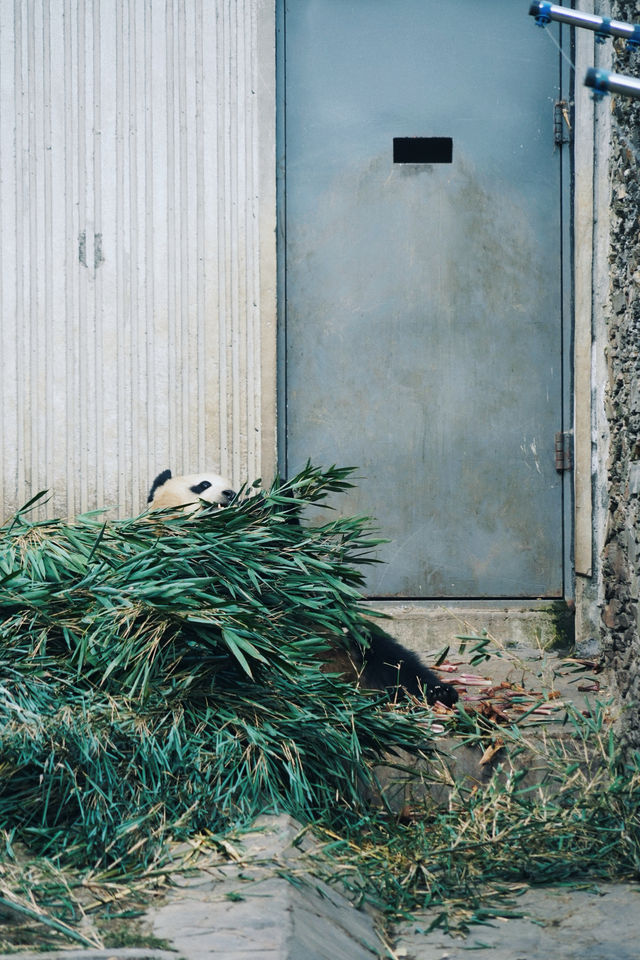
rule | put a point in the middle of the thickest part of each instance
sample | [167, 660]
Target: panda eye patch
[200, 487]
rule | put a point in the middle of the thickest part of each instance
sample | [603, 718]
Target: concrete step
[265, 904]
[522, 696]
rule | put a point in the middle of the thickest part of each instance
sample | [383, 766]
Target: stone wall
[621, 556]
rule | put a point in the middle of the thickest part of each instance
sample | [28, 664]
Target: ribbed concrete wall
[137, 261]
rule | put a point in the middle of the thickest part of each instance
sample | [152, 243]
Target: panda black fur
[385, 665]
[188, 491]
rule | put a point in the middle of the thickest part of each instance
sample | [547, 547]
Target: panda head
[188, 491]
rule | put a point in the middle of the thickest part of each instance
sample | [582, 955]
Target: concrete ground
[265, 904]
[286, 914]
[557, 923]
[264, 907]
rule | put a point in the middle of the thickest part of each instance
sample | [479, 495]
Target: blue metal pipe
[603, 27]
[602, 81]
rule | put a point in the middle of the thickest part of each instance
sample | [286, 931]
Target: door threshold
[428, 626]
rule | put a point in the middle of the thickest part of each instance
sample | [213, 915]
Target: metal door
[422, 329]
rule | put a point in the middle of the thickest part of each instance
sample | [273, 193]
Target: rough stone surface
[250, 909]
[247, 910]
[408, 781]
[621, 556]
[557, 923]
[114, 953]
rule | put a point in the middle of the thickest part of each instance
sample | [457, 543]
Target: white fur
[179, 492]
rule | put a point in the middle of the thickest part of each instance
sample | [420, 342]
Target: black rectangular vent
[422, 149]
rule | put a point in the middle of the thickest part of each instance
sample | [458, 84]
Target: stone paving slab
[119, 953]
[560, 924]
[266, 906]
[256, 909]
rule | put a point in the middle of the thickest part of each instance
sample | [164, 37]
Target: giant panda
[388, 666]
[188, 491]
[384, 665]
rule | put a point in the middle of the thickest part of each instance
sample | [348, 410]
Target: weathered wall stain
[428, 347]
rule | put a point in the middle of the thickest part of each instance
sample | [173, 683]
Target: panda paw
[441, 693]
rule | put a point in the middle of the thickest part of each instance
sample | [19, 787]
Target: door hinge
[561, 123]
[564, 450]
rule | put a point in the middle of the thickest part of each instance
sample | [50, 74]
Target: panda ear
[158, 482]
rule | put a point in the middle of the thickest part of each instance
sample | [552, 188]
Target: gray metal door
[422, 332]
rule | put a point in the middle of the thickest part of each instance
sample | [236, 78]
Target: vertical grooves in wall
[47, 329]
[142, 374]
[71, 241]
[245, 177]
[223, 219]
[200, 380]
[209, 249]
[130, 420]
[186, 384]
[254, 418]
[201, 359]
[122, 355]
[147, 465]
[21, 382]
[57, 479]
[4, 326]
[130, 284]
[32, 405]
[96, 255]
[84, 346]
[238, 269]
[172, 345]
[238, 263]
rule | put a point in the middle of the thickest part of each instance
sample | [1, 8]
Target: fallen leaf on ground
[491, 751]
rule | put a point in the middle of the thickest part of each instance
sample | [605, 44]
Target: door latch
[561, 123]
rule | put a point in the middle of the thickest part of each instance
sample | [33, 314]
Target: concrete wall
[137, 239]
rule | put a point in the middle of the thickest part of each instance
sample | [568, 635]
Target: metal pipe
[604, 82]
[603, 26]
